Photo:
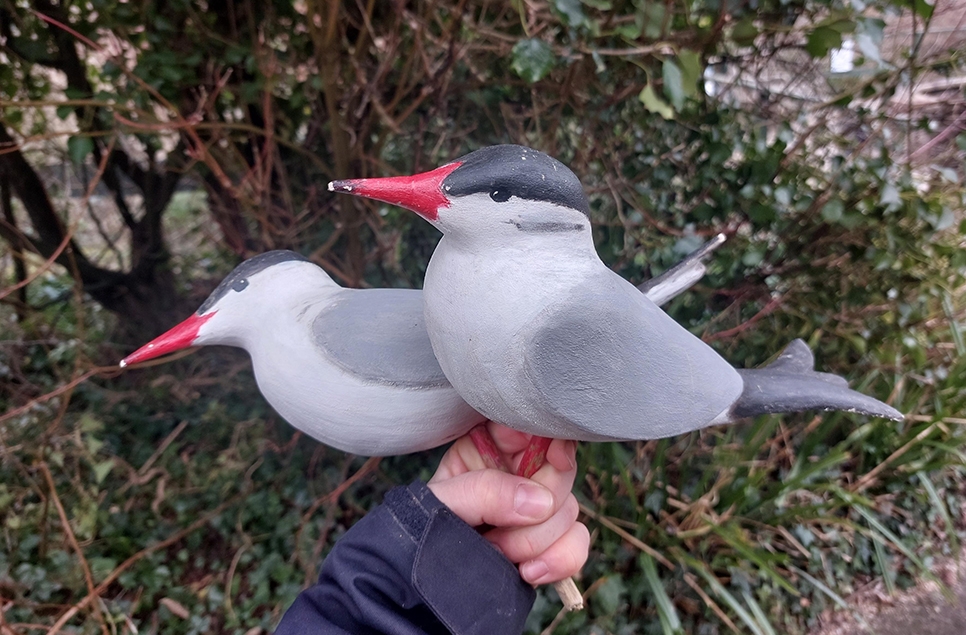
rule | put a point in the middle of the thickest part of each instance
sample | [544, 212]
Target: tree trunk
[144, 298]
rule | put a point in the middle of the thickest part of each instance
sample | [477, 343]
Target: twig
[634, 540]
[768, 308]
[107, 371]
[869, 477]
[72, 539]
[168, 440]
[691, 582]
[124, 566]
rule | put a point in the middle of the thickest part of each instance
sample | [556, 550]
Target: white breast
[345, 411]
[477, 308]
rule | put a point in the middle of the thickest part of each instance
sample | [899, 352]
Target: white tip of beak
[331, 186]
[123, 364]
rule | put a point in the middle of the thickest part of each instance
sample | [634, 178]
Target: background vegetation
[148, 146]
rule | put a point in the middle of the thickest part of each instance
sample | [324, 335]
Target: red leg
[486, 446]
[534, 456]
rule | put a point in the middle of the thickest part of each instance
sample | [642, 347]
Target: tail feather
[789, 384]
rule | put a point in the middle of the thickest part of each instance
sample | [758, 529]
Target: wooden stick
[533, 459]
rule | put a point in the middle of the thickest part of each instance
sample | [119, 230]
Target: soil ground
[923, 610]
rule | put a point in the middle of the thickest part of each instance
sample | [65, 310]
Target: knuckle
[528, 546]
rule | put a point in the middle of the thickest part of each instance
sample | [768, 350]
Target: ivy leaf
[571, 11]
[890, 197]
[673, 84]
[832, 211]
[753, 258]
[653, 13]
[924, 8]
[609, 595]
[78, 147]
[654, 103]
[691, 70]
[102, 469]
[822, 40]
[532, 60]
[745, 32]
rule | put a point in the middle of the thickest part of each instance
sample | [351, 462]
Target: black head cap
[237, 280]
[510, 170]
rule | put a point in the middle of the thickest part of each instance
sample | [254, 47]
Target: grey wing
[610, 363]
[681, 276]
[379, 335]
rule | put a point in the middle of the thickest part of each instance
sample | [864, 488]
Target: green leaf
[752, 257]
[832, 595]
[745, 32]
[890, 197]
[653, 13]
[572, 12]
[609, 595]
[822, 40]
[78, 147]
[832, 212]
[718, 589]
[691, 70]
[654, 103]
[885, 567]
[673, 86]
[532, 60]
[934, 497]
[665, 608]
[102, 469]
[924, 8]
[762, 214]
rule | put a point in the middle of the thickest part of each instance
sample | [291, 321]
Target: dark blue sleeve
[412, 566]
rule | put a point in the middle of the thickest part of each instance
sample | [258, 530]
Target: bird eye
[239, 285]
[500, 196]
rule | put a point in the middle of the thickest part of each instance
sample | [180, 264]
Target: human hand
[534, 520]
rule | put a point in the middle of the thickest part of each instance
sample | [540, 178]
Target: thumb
[495, 498]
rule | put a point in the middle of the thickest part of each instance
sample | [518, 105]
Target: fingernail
[572, 454]
[532, 500]
[534, 570]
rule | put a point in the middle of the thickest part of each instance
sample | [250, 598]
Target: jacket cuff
[470, 586]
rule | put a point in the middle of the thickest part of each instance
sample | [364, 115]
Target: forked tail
[790, 384]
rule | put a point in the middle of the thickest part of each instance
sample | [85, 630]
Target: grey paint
[379, 335]
[610, 362]
[790, 384]
[525, 225]
[682, 275]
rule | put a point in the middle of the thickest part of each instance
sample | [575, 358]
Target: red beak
[422, 193]
[181, 336]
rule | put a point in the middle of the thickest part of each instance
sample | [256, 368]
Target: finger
[563, 455]
[508, 440]
[563, 559]
[520, 544]
[558, 481]
[495, 498]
